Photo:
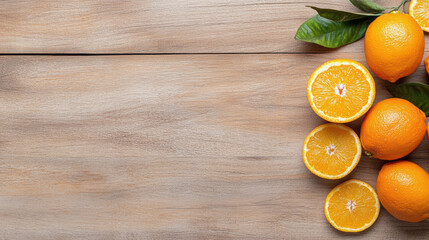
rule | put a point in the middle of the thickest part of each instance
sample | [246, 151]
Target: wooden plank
[163, 147]
[147, 26]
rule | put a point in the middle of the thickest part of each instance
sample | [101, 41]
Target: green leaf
[416, 93]
[332, 34]
[368, 6]
[341, 16]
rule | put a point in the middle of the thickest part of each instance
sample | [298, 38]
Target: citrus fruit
[394, 46]
[331, 151]
[427, 64]
[403, 189]
[419, 10]
[341, 90]
[352, 206]
[392, 129]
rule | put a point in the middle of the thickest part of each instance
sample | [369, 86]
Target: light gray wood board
[161, 26]
[179, 146]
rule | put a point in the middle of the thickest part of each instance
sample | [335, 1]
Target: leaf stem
[399, 6]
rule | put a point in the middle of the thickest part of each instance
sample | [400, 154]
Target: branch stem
[400, 5]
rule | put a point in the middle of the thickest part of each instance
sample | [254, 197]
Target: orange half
[341, 90]
[419, 10]
[332, 151]
[352, 206]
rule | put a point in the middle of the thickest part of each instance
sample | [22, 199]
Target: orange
[403, 189]
[427, 64]
[394, 46]
[352, 206]
[392, 129]
[419, 10]
[331, 151]
[341, 90]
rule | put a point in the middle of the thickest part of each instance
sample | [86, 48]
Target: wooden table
[167, 119]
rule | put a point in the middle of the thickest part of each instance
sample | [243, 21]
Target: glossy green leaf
[332, 34]
[368, 6]
[416, 93]
[341, 16]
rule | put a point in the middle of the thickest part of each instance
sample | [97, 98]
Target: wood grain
[161, 26]
[168, 147]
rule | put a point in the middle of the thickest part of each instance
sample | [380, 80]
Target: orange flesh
[332, 150]
[421, 13]
[352, 206]
[341, 91]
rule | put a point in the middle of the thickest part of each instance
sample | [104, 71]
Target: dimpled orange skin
[394, 46]
[392, 129]
[403, 190]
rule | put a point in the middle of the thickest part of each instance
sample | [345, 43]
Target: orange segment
[341, 90]
[352, 206]
[332, 151]
[419, 10]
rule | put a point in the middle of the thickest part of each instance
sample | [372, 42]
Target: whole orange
[392, 129]
[403, 190]
[394, 46]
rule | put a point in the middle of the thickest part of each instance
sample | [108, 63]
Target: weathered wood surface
[159, 26]
[168, 147]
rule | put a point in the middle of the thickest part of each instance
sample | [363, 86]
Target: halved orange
[352, 206]
[332, 151]
[341, 90]
[419, 10]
